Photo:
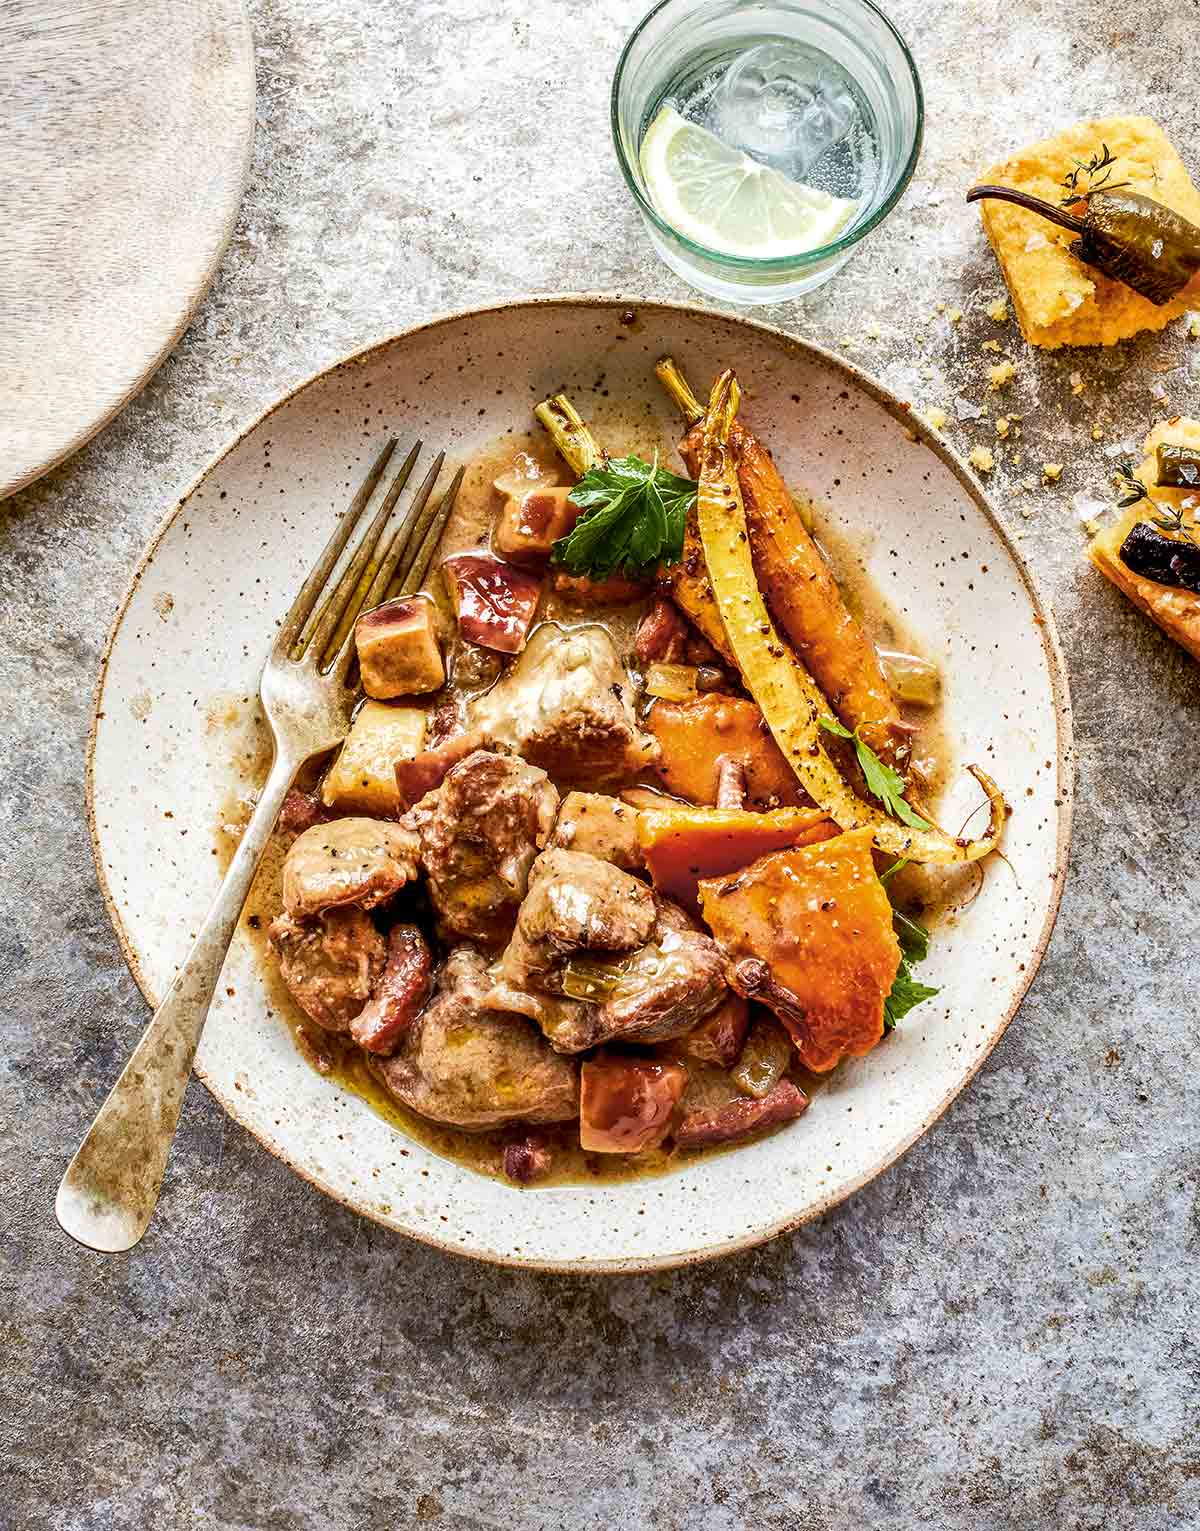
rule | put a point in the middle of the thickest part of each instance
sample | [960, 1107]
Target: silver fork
[108, 1194]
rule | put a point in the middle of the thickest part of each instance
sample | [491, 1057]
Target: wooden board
[125, 136]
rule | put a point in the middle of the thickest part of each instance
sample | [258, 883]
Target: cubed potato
[1060, 301]
[363, 777]
[399, 649]
[531, 523]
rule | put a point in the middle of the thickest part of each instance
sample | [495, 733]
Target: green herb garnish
[882, 782]
[1098, 172]
[1131, 491]
[906, 991]
[634, 515]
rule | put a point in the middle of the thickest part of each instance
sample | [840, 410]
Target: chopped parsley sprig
[914, 947]
[634, 515]
[882, 782]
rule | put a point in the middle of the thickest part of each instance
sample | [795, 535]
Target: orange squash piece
[693, 736]
[683, 844]
[809, 933]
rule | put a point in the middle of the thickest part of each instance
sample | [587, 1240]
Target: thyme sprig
[1097, 172]
[1131, 491]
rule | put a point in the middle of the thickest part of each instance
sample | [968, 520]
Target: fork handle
[108, 1194]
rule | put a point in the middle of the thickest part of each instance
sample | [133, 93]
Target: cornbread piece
[1058, 300]
[1177, 612]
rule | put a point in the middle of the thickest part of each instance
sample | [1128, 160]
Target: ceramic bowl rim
[903, 413]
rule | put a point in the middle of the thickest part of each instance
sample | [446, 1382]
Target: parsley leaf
[906, 992]
[634, 515]
[913, 938]
[882, 782]
[914, 946]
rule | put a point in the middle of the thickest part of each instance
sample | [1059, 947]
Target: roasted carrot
[799, 588]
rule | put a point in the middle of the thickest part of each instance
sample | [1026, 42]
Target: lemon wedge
[721, 198]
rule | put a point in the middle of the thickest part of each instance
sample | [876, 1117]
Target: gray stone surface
[1001, 1331]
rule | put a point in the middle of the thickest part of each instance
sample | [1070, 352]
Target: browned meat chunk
[471, 1067]
[575, 902]
[348, 861]
[399, 648]
[528, 1159]
[532, 521]
[740, 1118]
[662, 634]
[425, 771]
[479, 833]
[330, 964]
[600, 825]
[397, 998]
[565, 706]
[596, 955]
[300, 811]
[626, 1104]
[719, 1037]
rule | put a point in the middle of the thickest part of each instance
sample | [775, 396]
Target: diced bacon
[300, 811]
[531, 523]
[399, 652]
[423, 772]
[740, 1118]
[400, 994]
[493, 601]
[626, 1104]
[662, 634]
[528, 1159]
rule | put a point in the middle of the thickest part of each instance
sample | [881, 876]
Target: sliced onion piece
[672, 682]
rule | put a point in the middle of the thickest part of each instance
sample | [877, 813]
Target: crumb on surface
[1077, 383]
[935, 417]
[1097, 433]
[992, 345]
[1003, 425]
[954, 315]
[982, 459]
[1001, 374]
[1052, 472]
[999, 311]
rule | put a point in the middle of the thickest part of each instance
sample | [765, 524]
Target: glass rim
[778, 263]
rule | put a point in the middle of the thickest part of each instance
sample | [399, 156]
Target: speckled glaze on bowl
[195, 624]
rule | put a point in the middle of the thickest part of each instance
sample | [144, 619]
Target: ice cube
[780, 104]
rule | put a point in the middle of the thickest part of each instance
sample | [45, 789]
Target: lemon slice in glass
[721, 198]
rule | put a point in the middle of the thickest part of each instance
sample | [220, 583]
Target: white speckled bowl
[195, 624]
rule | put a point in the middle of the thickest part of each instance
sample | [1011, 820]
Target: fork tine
[385, 568]
[342, 602]
[421, 530]
[423, 557]
[301, 607]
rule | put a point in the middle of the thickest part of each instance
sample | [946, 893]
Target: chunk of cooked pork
[740, 1118]
[575, 903]
[626, 1104]
[330, 964]
[600, 825]
[479, 833]
[471, 1067]
[347, 861]
[398, 996]
[566, 706]
[597, 955]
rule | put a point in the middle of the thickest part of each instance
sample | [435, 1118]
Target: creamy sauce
[239, 731]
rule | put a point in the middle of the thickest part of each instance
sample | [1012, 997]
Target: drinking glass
[681, 42]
